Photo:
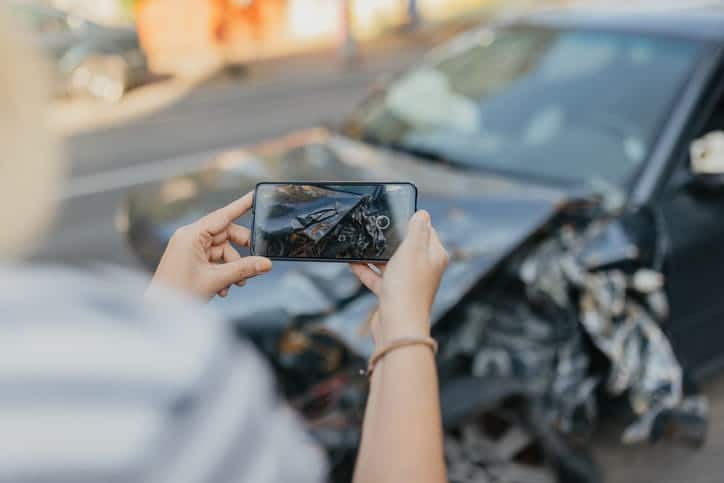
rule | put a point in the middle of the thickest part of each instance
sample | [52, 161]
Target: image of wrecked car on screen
[331, 221]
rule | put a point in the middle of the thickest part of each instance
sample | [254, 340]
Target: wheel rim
[494, 448]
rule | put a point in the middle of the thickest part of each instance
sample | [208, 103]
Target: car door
[693, 222]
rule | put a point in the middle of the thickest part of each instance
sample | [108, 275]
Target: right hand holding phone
[407, 285]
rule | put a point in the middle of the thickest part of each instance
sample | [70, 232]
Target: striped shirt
[99, 384]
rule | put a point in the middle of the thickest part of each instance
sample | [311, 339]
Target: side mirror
[707, 163]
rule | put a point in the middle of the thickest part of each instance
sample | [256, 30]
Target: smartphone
[331, 221]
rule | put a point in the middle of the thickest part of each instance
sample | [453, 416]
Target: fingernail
[263, 266]
[421, 216]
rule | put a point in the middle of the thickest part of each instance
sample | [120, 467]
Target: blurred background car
[89, 59]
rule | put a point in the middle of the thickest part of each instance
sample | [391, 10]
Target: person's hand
[407, 285]
[200, 259]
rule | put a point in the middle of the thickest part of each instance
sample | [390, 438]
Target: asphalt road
[225, 113]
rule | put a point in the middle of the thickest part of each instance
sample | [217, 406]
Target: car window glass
[566, 105]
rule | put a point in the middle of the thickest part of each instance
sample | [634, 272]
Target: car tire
[104, 78]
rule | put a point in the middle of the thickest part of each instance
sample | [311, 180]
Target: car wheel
[101, 77]
[495, 447]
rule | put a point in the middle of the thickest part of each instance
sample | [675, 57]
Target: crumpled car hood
[481, 220]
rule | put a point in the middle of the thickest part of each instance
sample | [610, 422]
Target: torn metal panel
[622, 313]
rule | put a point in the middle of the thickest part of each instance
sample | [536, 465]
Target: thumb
[238, 270]
[418, 231]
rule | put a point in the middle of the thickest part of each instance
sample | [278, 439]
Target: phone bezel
[323, 184]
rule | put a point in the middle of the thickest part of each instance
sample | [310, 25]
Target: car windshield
[567, 106]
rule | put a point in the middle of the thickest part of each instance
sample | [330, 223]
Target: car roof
[704, 23]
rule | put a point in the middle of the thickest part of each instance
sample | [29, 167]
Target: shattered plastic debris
[622, 314]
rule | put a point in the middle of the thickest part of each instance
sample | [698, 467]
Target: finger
[438, 252]
[240, 270]
[236, 233]
[221, 237]
[239, 235]
[216, 253]
[418, 232]
[220, 219]
[365, 329]
[238, 208]
[380, 267]
[368, 277]
[231, 255]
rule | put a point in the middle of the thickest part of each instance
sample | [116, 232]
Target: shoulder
[119, 384]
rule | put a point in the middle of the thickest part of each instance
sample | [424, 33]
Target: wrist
[399, 326]
[406, 343]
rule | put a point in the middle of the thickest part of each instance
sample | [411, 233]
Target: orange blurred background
[192, 36]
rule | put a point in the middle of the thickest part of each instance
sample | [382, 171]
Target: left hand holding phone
[200, 259]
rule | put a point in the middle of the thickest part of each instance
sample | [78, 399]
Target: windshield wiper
[417, 151]
[425, 153]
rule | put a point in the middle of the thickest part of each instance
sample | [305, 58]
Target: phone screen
[331, 221]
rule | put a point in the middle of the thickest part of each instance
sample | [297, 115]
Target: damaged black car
[574, 166]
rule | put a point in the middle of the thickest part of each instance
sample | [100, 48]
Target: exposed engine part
[622, 313]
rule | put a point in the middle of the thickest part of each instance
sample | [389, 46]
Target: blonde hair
[30, 161]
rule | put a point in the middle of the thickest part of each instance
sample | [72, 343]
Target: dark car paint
[695, 252]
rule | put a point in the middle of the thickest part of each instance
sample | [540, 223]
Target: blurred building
[192, 36]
